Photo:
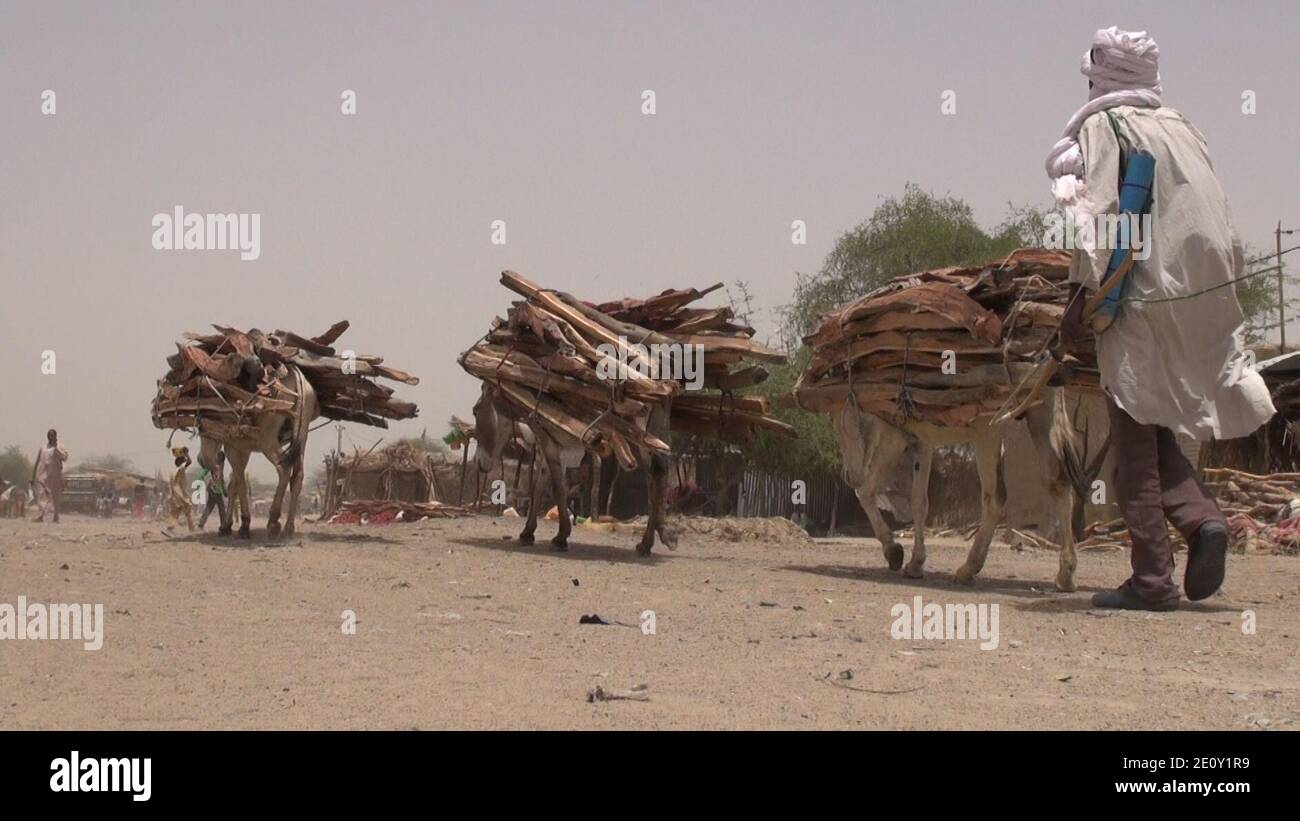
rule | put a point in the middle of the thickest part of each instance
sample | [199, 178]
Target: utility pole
[1281, 298]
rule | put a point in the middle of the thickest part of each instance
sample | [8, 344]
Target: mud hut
[399, 472]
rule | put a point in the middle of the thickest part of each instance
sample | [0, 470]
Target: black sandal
[1125, 598]
[1206, 554]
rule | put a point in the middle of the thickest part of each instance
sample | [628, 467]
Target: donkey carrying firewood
[494, 427]
[871, 445]
[283, 441]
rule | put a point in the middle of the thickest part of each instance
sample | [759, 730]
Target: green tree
[916, 232]
[1257, 293]
[816, 450]
[15, 467]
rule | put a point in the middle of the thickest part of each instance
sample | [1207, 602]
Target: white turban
[1124, 60]
[1125, 72]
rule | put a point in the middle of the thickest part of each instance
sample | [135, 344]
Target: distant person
[215, 487]
[13, 500]
[139, 500]
[107, 499]
[47, 476]
[178, 504]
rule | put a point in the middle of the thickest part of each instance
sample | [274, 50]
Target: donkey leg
[665, 533]
[295, 491]
[993, 502]
[238, 490]
[885, 451]
[209, 449]
[657, 487]
[1063, 495]
[530, 524]
[245, 510]
[561, 491]
[281, 485]
[1049, 441]
[920, 509]
[870, 447]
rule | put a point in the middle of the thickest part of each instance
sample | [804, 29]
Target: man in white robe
[47, 476]
[1172, 361]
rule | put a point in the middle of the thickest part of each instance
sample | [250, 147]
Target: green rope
[1203, 290]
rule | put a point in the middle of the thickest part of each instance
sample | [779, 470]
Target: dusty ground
[459, 627]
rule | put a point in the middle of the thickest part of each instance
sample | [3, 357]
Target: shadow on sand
[576, 552]
[259, 539]
[1043, 591]
[1039, 596]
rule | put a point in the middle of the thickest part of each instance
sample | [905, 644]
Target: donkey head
[491, 429]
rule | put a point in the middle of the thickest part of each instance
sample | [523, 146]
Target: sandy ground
[459, 627]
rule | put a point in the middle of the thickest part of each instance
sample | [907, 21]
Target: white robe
[1176, 364]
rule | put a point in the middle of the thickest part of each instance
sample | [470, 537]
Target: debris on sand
[593, 618]
[1097, 536]
[847, 675]
[638, 693]
[387, 511]
[770, 530]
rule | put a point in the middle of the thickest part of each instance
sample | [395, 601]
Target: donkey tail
[1064, 444]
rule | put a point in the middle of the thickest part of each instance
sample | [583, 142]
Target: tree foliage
[816, 450]
[1257, 293]
[915, 232]
[15, 466]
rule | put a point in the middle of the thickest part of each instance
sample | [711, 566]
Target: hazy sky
[529, 113]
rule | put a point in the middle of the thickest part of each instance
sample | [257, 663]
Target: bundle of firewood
[595, 371]
[945, 346]
[1108, 535]
[1261, 497]
[218, 383]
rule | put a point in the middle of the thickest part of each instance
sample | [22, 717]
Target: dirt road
[459, 627]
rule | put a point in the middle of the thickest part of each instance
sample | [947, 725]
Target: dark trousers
[1154, 481]
[217, 501]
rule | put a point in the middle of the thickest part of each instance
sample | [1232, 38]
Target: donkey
[870, 445]
[494, 428]
[283, 441]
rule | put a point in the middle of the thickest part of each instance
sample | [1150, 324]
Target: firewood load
[945, 346]
[1263, 498]
[595, 371]
[218, 383]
